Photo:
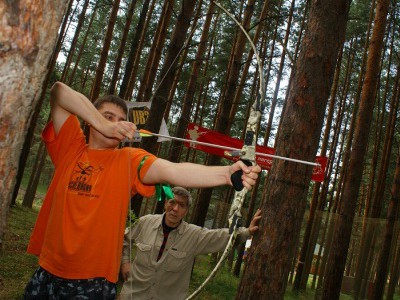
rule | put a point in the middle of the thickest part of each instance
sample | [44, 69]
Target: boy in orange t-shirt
[79, 232]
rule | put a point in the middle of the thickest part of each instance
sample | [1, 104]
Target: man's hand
[254, 223]
[125, 270]
[250, 174]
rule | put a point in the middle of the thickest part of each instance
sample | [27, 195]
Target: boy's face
[113, 113]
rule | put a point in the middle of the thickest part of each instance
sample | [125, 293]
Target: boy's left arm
[199, 176]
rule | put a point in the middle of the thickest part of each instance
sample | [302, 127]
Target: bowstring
[255, 108]
[130, 218]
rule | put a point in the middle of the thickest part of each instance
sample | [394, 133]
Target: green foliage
[358, 18]
[131, 219]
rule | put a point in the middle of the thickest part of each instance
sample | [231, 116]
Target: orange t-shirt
[80, 227]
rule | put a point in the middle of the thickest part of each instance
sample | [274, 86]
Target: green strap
[163, 189]
[160, 187]
[140, 167]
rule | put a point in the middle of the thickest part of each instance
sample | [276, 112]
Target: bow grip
[236, 177]
[236, 223]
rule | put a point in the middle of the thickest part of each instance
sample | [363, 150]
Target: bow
[248, 156]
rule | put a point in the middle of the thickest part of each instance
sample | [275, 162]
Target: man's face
[113, 113]
[175, 210]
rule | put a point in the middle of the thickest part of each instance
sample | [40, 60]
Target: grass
[16, 266]
[222, 286]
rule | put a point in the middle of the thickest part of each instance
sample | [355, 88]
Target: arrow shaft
[234, 149]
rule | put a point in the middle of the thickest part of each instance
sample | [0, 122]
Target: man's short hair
[180, 191]
[111, 99]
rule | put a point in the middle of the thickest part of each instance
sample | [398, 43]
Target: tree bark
[30, 134]
[303, 264]
[28, 34]
[265, 276]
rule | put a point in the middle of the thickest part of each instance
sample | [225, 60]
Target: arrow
[237, 152]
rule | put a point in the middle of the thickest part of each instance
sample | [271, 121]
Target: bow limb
[248, 151]
[248, 154]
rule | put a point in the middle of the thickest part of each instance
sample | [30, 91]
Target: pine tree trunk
[137, 47]
[182, 60]
[274, 41]
[30, 192]
[394, 274]
[279, 74]
[121, 49]
[357, 96]
[223, 122]
[191, 87]
[376, 207]
[309, 239]
[380, 118]
[146, 84]
[392, 216]
[386, 151]
[259, 30]
[167, 73]
[74, 40]
[96, 85]
[30, 134]
[338, 254]
[266, 274]
[133, 52]
[28, 34]
[82, 47]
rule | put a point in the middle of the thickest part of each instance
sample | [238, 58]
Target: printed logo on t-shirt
[82, 178]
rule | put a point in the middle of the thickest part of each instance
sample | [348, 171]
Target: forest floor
[16, 266]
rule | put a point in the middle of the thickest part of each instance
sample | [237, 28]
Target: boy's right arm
[65, 101]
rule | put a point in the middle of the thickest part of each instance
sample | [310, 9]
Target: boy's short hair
[111, 99]
[180, 191]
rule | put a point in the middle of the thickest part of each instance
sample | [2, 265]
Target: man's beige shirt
[169, 277]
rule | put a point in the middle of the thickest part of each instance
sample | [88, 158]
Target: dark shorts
[44, 285]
